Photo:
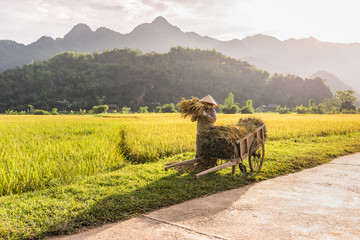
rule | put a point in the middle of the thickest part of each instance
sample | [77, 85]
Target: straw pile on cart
[220, 141]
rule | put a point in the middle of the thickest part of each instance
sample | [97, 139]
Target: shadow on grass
[172, 189]
[283, 157]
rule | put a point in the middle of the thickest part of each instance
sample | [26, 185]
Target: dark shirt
[203, 122]
[207, 120]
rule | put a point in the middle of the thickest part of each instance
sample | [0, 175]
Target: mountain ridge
[296, 56]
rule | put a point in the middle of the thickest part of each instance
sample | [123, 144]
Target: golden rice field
[41, 151]
[156, 135]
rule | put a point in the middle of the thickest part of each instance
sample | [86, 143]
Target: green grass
[135, 189]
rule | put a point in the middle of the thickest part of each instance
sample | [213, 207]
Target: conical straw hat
[209, 99]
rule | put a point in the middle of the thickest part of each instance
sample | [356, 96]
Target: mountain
[296, 56]
[332, 81]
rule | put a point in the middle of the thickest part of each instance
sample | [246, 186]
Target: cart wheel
[256, 155]
[242, 168]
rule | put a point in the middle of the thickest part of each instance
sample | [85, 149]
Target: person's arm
[193, 118]
[210, 116]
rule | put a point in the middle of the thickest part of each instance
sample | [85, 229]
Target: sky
[25, 21]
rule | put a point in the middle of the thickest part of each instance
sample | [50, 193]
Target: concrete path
[318, 203]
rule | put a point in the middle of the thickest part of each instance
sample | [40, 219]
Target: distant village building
[268, 108]
[64, 106]
[113, 108]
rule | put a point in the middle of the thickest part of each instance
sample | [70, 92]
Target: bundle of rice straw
[191, 108]
[219, 141]
[251, 124]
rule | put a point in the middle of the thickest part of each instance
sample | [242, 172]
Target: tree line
[128, 78]
[342, 102]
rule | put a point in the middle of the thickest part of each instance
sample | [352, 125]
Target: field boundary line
[346, 164]
[186, 228]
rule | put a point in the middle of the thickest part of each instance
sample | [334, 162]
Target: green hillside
[131, 78]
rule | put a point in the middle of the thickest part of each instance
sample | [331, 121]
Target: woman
[207, 119]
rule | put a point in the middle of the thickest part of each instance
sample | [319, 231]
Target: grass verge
[136, 189]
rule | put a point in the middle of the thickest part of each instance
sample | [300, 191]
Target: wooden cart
[252, 146]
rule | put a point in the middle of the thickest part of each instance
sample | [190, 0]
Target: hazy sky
[327, 20]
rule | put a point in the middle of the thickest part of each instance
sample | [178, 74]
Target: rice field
[42, 151]
[153, 136]
[297, 125]
[39, 152]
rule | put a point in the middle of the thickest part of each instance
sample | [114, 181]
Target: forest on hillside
[73, 81]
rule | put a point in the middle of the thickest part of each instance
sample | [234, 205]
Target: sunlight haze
[25, 21]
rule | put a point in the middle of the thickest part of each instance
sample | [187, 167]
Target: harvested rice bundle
[219, 141]
[191, 108]
[251, 124]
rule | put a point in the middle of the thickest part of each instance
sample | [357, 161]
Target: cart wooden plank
[183, 163]
[217, 168]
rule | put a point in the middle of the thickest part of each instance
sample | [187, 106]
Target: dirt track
[318, 203]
